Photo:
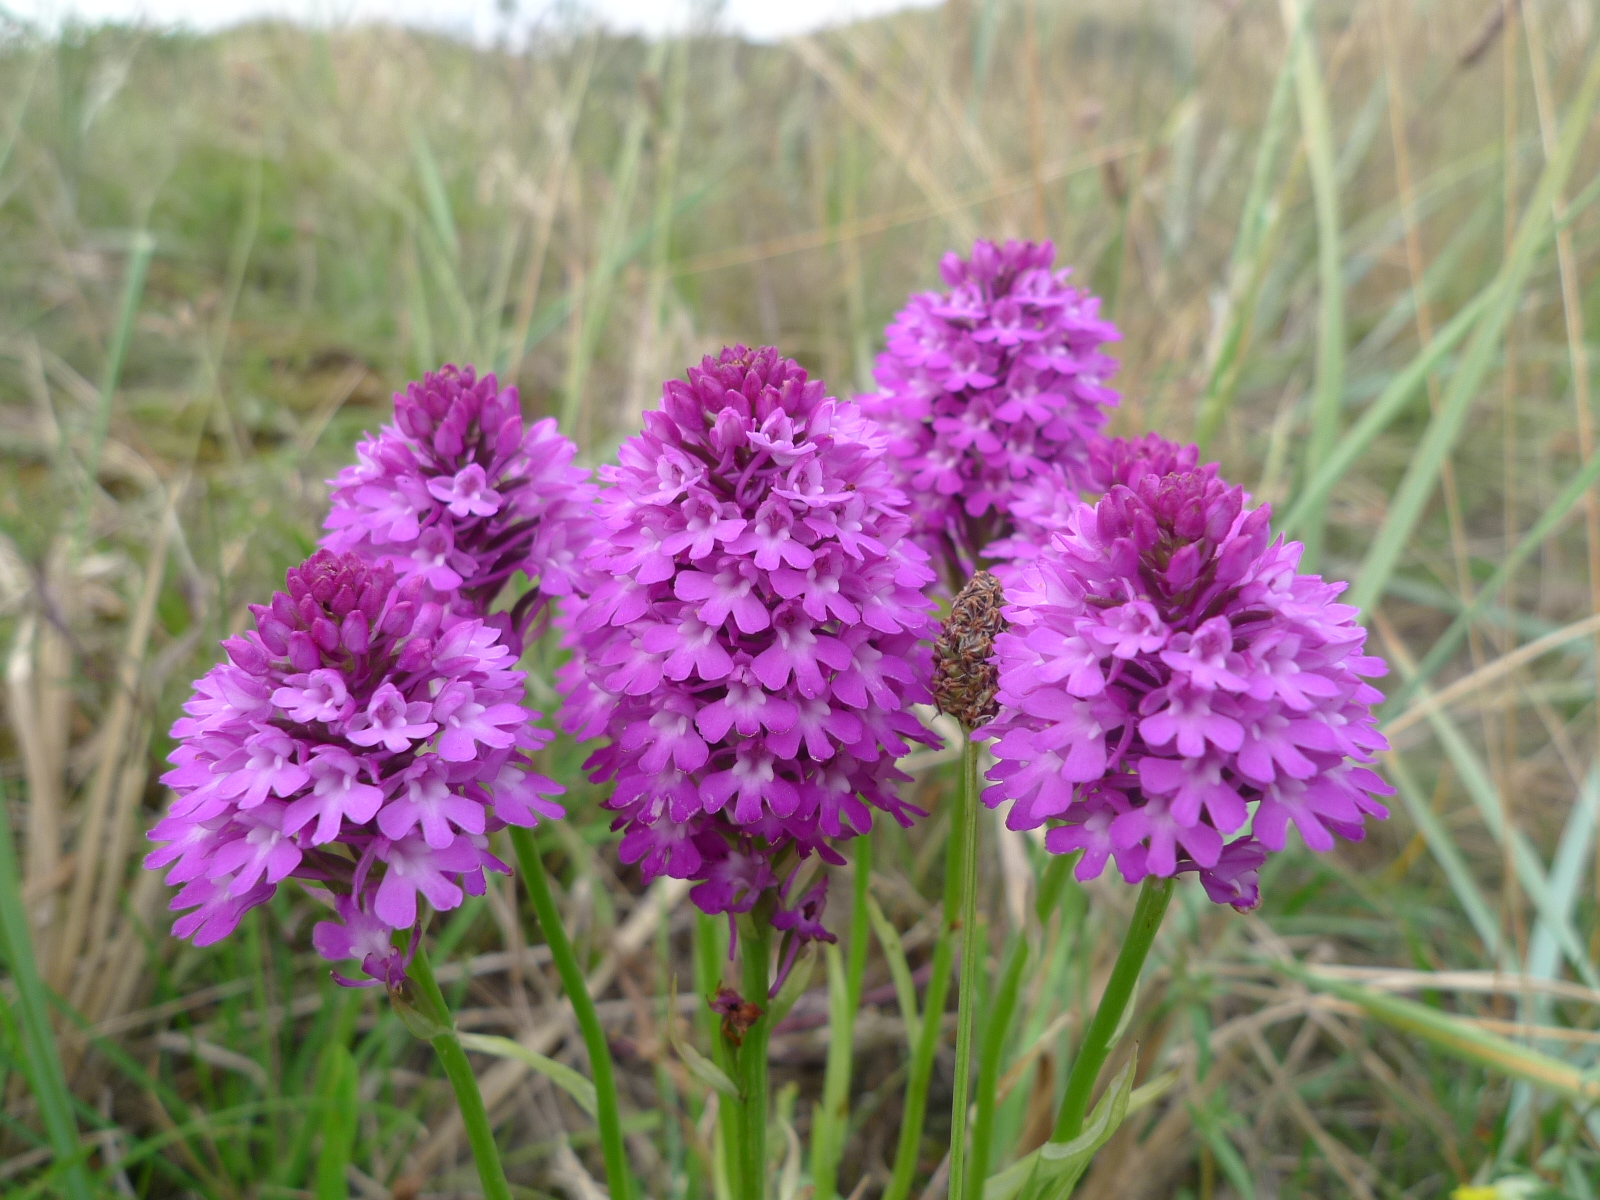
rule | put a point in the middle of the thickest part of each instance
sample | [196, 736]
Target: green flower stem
[572, 982]
[430, 1003]
[971, 959]
[997, 1025]
[921, 1073]
[755, 950]
[1147, 914]
[708, 974]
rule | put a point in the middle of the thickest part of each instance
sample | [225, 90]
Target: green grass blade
[338, 1124]
[1379, 415]
[611, 251]
[1441, 650]
[1525, 861]
[1247, 265]
[1415, 489]
[833, 1110]
[139, 252]
[563, 1076]
[1443, 848]
[38, 1040]
[905, 990]
[1328, 394]
[1457, 1037]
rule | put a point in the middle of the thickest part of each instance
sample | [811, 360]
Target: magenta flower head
[460, 493]
[749, 636]
[1043, 505]
[362, 736]
[987, 386]
[1169, 682]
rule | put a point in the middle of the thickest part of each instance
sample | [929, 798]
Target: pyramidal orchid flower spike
[749, 637]
[460, 493]
[1173, 694]
[988, 386]
[363, 736]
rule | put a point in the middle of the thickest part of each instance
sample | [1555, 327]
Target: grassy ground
[1357, 260]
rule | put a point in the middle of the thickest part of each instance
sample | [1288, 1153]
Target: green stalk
[921, 1073]
[755, 949]
[1147, 914]
[439, 1029]
[572, 982]
[971, 954]
[997, 1025]
[708, 960]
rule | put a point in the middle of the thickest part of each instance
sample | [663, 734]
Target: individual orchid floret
[987, 386]
[1169, 683]
[362, 736]
[458, 491]
[801, 924]
[748, 638]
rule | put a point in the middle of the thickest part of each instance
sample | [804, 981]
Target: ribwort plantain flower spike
[363, 737]
[987, 386]
[459, 492]
[1170, 681]
[964, 676]
[748, 634]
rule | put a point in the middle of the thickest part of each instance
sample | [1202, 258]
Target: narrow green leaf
[1247, 267]
[338, 1123]
[703, 1069]
[833, 1110]
[1457, 1037]
[1443, 848]
[1053, 1170]
[905, 991]
[38, 1040]
[563, 1076]
[797, 982]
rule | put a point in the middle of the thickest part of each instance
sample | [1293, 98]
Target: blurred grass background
[1351, 248]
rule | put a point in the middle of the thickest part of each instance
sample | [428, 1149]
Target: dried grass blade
[89, 848]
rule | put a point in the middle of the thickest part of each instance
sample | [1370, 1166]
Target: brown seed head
[964, 680]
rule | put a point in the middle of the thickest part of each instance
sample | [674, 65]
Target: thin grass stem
[920, 1074]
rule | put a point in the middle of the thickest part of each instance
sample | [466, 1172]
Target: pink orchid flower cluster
[752, 635]
[1170, 683]
[994, 383]
[746, 600]
[371, 731]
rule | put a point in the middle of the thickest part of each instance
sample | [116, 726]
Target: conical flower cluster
[457, 491]
[987, 386]
[749, 637]
[1170, 682]
[363, 735]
